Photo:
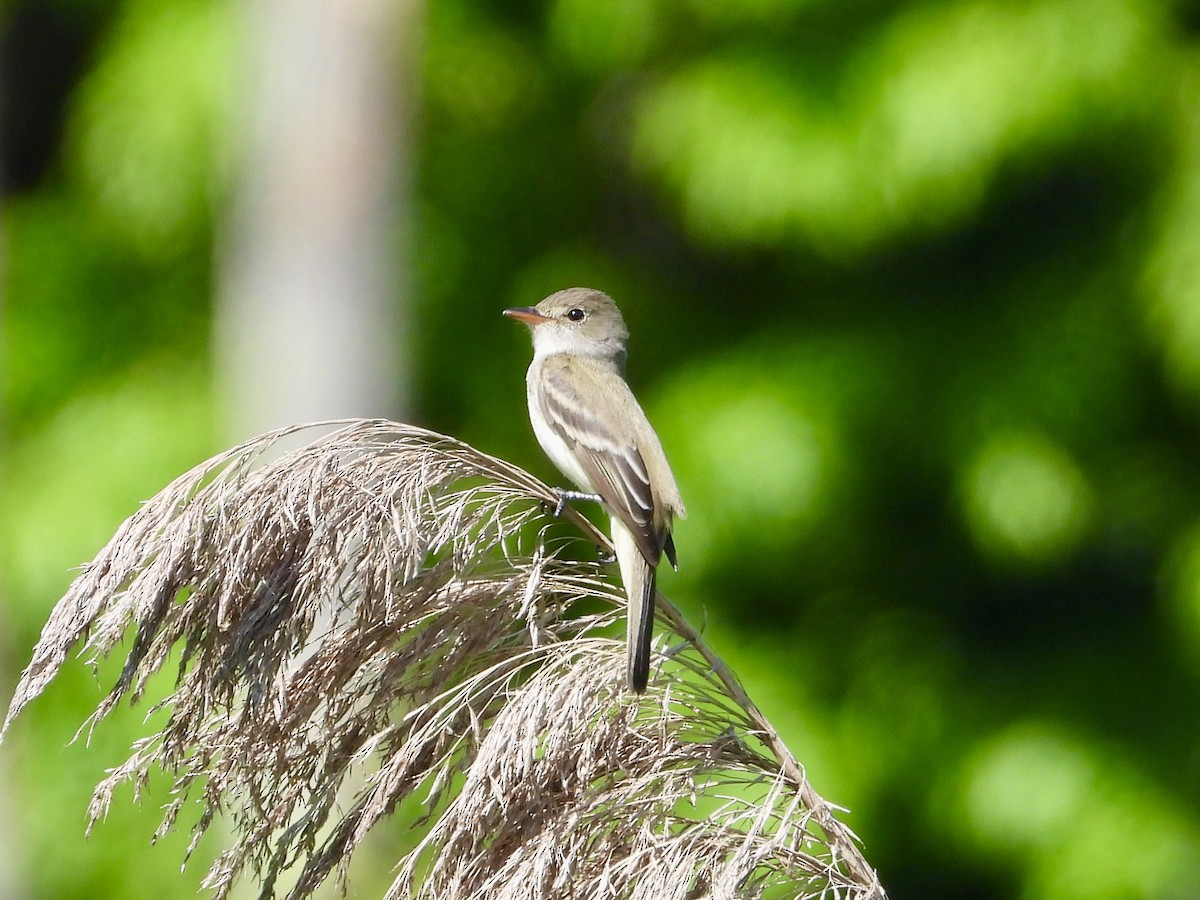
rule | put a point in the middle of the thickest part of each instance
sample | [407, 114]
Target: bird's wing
[593, 430]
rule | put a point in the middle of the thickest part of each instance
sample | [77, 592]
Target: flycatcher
[590, 425]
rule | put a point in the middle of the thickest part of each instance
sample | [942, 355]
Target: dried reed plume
[384, 613]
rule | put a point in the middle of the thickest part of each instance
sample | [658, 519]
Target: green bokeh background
[914, 289]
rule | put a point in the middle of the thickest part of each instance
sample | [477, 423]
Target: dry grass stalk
[384, 607]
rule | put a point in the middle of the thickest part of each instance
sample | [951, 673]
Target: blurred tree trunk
[312, 299]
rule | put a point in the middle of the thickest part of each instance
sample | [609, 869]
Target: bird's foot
[565, 496]
[605, 559]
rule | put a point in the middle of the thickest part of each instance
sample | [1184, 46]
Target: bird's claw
[565, 496]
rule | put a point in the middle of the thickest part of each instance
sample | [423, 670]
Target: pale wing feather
[615, 467]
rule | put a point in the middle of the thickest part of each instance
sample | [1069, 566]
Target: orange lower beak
[526, 314]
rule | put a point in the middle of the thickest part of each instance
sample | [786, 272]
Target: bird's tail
[638, 576]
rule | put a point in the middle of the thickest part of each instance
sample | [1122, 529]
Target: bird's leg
[564, 496]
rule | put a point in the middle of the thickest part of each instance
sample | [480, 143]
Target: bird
[589, 423]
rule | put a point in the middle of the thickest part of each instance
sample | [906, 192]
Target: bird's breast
[553, 444]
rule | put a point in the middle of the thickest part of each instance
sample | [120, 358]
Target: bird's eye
[576, 315]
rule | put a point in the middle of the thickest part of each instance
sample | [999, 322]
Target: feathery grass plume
[385, 608]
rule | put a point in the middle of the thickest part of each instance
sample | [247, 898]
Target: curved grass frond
[383, 609]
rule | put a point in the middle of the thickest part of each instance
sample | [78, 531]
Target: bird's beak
[527, 314]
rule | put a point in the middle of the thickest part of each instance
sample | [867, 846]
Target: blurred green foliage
[914, 289]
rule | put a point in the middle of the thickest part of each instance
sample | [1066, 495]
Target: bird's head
[581, 321]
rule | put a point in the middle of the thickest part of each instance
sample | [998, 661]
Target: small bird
[590, 425]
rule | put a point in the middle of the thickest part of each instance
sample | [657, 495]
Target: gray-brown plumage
[587, 420]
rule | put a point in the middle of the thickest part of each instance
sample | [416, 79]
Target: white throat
[550, 341]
